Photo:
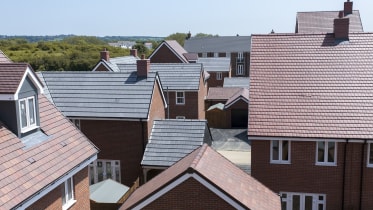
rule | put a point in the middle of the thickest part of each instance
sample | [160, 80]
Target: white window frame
[115, 166]
[68, 202]
[29, 126]
[316, 201]
[280, 160]
[219, 75]
[326, 148]
[240, 69]
[76, 122]
[180, 117]
[180, 97]
[369, 164]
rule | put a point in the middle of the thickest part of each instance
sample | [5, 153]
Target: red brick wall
[367, 195]
[164, 55]
[213, 82]
[157, 109]
[53, 200]
[118, 140]
[189, 195]
[246, 56]
[101, 67]
[189, 109]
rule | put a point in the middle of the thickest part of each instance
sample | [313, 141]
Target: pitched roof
[215, 64]
[65, 149]
[175, 47]
[218, 44]
[311, 85]
[4, 58]
[100, 94]
[171, 140]
[242, 94]
[243, 82]
[221, 93]
[212, 167]
[99, 192]
[174, 76]
[323, 22]
[112, 64]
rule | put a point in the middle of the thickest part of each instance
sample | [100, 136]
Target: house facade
[217, 68]
[115, 110]
[170, 51]
[310, 118]
[44, 157]
[110, 64]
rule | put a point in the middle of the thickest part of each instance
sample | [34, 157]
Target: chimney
[143, 67]
[133, 52]
[105, 55]
[347, 8]
[341, 28]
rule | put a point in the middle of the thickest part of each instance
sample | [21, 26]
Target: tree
[205, 35]
[141, 49]
[179, 37]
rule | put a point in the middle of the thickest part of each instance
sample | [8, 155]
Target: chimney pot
[347, 8]
[105, 55]
[133, 52]
[341, 28]
[142, 56]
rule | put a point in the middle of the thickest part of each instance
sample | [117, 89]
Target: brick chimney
[105, 55]
[143, 67]
[133, 52]
[341, 28]
[347, 7]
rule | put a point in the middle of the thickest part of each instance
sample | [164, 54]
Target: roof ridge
[199, 156]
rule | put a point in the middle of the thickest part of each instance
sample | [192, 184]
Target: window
[326, 153]
[222, 54]
[210, 54]
[180, 117]
[370, 155]
[180, 98]
[76, 123]
[280, 151]
[219, 75]
[239, 69]
[200, 55]
[68, 193]
[27, 114]
[101, 170]
[302, 201]
[240, 58]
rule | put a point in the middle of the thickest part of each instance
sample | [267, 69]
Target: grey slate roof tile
[218, 44]
[215, 64]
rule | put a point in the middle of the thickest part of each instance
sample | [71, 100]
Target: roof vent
[31, 160]
[63, 144]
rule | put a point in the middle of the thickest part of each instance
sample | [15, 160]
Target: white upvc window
[280, 152]
[219, 75]
[302, 201]
[76, 123]
[180, 117]
[326, 153]
[68, 194]
[180, 98]
[101, 170]
[240, 70]
[370, 155]
[27, 114]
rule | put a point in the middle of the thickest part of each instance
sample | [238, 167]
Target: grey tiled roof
[215, 64]
[218, 44]
[243, 82]
[99, 94]
[171, 140]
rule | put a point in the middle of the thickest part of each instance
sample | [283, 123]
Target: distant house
[310, 117]
[204, 179]
[227, 107]
[172, 140]
[170, 51]
[322, 21]
[115, 110]
[218, 68]
[44, 158]
[239, 82]
[110, 64]
[237, 48]
[123, 44]
[4, 58]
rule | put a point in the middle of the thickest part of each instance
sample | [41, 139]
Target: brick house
[227, 107]
[322, 21]
[170, 141]
[217, 68]
[310, 117]
[110, 64]
[237, 48]
[44, 158]
[170, 51]
[115, 110]
[204, 179]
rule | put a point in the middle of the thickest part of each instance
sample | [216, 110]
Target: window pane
[308, 203]
[91, 175]
[22, 105]
[108, 170]
[100, 171]
[64, 193]
[117, 177]
[285, 150]
[296, 202]
[69, 189]
[275, 152]
[371, 153]
[31, 109]
[320, 151]
[321, 206]
[331, 151]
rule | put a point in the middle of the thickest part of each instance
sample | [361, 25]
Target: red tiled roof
[322, 22]
[213, 167]
[178, 49]
[4, 58]
[310, 85]
[241, 94]
[221, 93]
[20, 179]
[11, 76]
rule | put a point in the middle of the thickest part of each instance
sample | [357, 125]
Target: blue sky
[162, 17]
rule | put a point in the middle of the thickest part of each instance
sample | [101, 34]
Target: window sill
[369, 165]
[27, 129]
[279, 162]
[180, 104]
[68, 204]
[326, 164]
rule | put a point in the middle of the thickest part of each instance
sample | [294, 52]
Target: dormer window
[27, 114]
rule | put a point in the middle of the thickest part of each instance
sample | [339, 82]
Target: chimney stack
[347, 8]
[341, 28]
[105, 55]
[143, 67]
[133, 52]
